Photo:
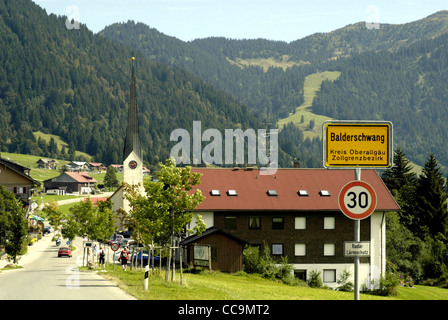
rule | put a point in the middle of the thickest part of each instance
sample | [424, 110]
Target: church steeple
[132, 140]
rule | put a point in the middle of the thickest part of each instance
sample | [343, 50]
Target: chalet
[70, 182]
[16, 178]
[117, 167]
[95, 166]
[295, 212]
[51, 164]
[77, 166]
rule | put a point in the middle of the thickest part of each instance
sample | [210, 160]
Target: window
[230, 223]
[324, 193]
[329, 249]
[277, 249]
[329, 223]
[300, 249]
[329, 275]
[231, 193]
[272, 193]
[300, 274]
[300, 223]
[215, 193]
[254, 222]
[278, 223]
[303, 193]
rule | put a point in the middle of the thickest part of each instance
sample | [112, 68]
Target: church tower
[132, 155]
[132, 151]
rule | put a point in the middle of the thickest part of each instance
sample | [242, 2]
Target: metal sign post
[357, 200]
[357, 239]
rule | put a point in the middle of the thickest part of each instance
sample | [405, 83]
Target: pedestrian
[101, 257]
[124, 256]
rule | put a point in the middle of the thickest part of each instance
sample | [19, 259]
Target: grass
[59, 142]
[240, 286]
[312, 85]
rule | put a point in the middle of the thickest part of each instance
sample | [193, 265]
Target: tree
[53, 214]
[95, 223]
[165, 211]
[13, 224]
[431, 210]
[110, 179]
[402, 183]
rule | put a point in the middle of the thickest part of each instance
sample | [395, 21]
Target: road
[44, 276]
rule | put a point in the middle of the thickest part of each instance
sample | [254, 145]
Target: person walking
[124, 256]
[101, 257]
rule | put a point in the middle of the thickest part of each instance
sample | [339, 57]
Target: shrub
[344, 284]
[315, 280]
[387, 285]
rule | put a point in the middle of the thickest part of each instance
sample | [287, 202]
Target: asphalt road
[44, 276]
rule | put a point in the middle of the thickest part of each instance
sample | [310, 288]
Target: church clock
[133, 164]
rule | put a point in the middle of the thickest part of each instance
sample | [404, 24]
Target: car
[144, 256]
[115, 238]
[64, 251]
[47, 230]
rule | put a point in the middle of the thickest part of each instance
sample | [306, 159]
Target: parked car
[64, 251]
[144, 256]
[47, 230]
[115, 238]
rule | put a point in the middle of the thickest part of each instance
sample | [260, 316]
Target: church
[132, 153]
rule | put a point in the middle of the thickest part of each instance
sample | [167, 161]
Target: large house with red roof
[295, 212]
[70, 182]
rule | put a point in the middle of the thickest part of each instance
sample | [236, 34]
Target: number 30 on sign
[357, 200]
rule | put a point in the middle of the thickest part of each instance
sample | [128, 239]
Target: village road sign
[357, 249]
[357, 200]
[114, 246]
[357, 144]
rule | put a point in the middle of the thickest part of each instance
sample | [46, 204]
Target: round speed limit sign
[114, 246]
[357, 200]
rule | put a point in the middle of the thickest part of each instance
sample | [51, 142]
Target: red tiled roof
[252, 189]
[81, 177]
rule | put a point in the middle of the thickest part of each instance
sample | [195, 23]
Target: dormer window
[231, 193]
[272, 193]
[303, 193]
[215, 192]
[324, 193]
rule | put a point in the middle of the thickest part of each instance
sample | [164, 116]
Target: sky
[285, 20]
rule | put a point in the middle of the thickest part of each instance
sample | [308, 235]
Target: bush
[315, 280]
[264, 265]
[387, 285]
[344, 284]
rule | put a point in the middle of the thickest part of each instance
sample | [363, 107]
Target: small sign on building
[357, 249]
[201, 255]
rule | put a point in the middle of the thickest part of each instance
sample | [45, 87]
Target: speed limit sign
[114, 246]
[357, 200]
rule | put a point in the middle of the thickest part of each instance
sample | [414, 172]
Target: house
[77, 166]
[51, 164]
[229, 260]
[96, 167]
[70, 182]
[16, 178]
[117, 167]
[295, 212]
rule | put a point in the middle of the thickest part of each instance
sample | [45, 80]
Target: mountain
[395, 73]
[74, 84]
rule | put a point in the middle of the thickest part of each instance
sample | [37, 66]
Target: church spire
[132, 140]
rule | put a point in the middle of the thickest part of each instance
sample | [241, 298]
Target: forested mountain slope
[75, 84]
[395, 73]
